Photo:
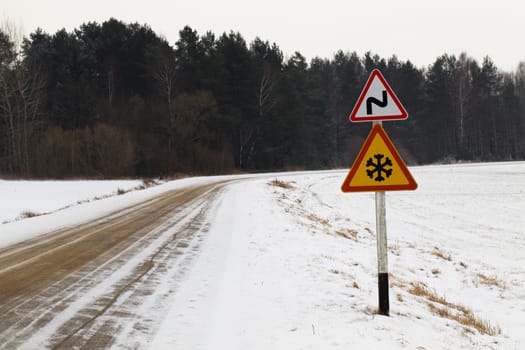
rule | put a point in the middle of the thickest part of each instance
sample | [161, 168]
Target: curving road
[89, 286]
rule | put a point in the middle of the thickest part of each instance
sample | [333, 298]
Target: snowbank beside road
[41, 197]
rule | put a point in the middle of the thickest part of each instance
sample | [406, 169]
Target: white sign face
[377, 102]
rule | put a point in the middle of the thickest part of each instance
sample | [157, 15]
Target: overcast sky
[417, 30]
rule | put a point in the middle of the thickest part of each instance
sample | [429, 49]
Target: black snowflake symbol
[378, 167]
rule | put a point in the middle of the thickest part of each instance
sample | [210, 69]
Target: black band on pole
[384, 304]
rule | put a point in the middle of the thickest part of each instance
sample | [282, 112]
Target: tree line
[116, 99]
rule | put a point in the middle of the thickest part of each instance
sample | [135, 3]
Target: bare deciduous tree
[266, 100]
[20, 103]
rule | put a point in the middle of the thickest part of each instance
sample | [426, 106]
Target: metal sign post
[382, 251]
[382, 254]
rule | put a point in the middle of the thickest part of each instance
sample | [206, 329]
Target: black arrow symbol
[373, 100]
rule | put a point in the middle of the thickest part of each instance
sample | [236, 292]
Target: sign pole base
[384, 303]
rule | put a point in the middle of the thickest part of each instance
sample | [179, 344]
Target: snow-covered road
[98, 284]
[287, 261]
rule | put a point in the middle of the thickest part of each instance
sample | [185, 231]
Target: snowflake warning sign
[378, 167]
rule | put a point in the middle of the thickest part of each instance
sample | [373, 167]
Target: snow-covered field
[290, 261]
[41, 197]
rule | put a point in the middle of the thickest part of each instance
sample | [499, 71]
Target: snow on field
[39, 197]
[290, 263]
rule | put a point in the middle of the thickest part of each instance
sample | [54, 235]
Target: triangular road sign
[377, 102]
[378, 167]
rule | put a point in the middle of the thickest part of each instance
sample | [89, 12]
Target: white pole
[382, 253]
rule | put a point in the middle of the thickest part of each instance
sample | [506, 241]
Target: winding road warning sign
[378, 167]
[377, 102]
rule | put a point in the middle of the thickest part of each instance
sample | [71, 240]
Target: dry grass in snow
[282, 184]
[441, 307]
